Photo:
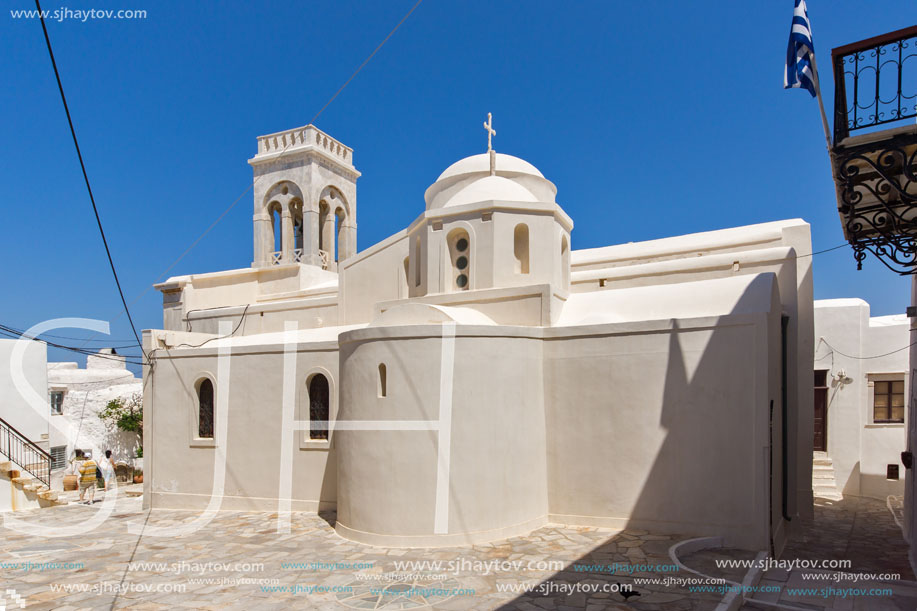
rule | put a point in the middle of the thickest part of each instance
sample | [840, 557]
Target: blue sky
[653, 118]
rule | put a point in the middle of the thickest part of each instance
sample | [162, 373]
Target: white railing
[276, 257]
[300, 137]
[326, 258]
[297, 255]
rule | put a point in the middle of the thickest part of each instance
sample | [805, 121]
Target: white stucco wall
[861, 449]
[14, 407]
[781, 247]
[179, 469]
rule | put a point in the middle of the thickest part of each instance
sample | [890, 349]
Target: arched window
[460, 255]
[277, 226]
[318, 406]
[205, 409]
[383, 381]
[521, 248]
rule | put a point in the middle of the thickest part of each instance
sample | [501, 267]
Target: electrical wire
[818, 252]
[15, 334]
[207, 341]
[79, 154]
[862, 358]
[20, 332]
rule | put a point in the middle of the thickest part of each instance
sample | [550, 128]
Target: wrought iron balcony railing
[875, 82]
[875, 168]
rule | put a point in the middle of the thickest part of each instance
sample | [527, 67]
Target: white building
[861, 381]
[77, 397]
[23, 383]
[480, 377]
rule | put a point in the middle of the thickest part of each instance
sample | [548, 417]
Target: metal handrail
[25, 453]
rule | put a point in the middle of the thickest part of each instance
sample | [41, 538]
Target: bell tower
[305, 196]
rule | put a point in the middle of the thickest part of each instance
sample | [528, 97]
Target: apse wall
[387, 479]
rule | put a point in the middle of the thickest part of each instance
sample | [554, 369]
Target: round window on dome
[461, 245]
[462, 281]
[461, 262]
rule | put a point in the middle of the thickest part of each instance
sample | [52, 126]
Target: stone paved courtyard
[239, 561]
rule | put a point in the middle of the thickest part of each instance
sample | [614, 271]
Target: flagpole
[821, 104]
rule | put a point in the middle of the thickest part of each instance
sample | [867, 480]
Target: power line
[16, 334]
[862, 358]
[79, 154]
[75, 339]
[818, 252]
[107, 340]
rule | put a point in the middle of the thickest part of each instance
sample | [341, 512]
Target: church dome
[491, 188]
[469, 181]
[481, 163]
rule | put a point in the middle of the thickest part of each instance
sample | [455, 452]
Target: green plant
[139, 452]
[126, 415]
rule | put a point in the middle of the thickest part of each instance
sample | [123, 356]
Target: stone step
[6, 466]
[824, 481]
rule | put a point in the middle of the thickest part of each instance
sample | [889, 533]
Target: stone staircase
[823, 483]
[32, 488]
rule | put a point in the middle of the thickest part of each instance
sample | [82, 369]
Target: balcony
[874, 154]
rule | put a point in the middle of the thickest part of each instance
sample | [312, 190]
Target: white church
[472, 377]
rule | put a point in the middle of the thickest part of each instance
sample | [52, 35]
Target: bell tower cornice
[304, 141]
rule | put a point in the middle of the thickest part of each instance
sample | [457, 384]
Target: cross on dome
[491, 132]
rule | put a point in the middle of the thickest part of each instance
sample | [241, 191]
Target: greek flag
[800, 54]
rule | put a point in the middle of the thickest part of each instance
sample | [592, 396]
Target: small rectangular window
[57, 402]
[891, 472]
[888, 401]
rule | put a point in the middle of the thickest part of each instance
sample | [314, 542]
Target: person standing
[108, 471]
[87, 472]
